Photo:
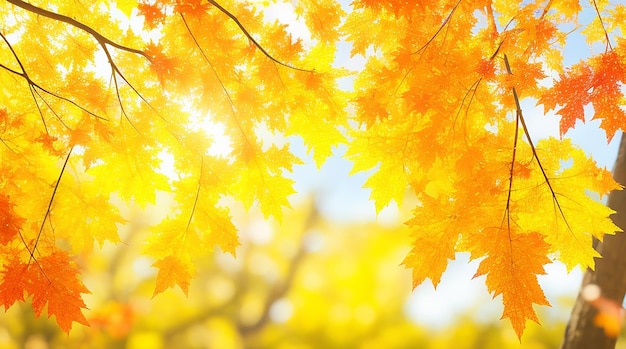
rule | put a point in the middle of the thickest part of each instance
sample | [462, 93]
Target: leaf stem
[520, 119]
[606, 34]
[56, 186]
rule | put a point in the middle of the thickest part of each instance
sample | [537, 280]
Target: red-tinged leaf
[191, 7]
[7, 121]
[47, 142]
[486, 69]
[514, 260]
[13, 282]
[173, 271]
[163, 66]
[79, 137]
[4, 116]
[10, 222]
[153, 14]
[571, 92]
[606, 96]
[53, 281]
[609, 70]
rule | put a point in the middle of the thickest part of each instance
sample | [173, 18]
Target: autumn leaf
[191, 7]
[10, 222]
[571, 91]
[56, 285]
[173, 271]
[477, 181]
[47, 141]
[14, 282]
[596, 83]
[514, 259]
[164, 67]
[52, 282]
[153, 14]
[606, 96]
[433, 111]
[389, 181]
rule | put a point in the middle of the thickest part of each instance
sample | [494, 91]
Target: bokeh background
[328, 276]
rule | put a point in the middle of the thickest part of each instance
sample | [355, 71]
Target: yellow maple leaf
[173, 271]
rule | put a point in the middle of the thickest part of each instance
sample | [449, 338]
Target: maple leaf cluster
[95, 95]
[439, 108]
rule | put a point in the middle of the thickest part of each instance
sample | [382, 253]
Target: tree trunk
[610, 273]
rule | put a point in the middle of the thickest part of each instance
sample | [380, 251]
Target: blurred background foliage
[306, 283]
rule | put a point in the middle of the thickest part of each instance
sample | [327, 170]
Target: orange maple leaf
[153, 13]
[606, 96]
[514, 259]
[486, 69]
[572, 93]
[13, 282]
[191, 7]
[163, 66]
[47, 142]
[54, 282]
[10, 222]
[597, 83]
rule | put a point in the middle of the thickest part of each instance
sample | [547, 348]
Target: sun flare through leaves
[112, 103]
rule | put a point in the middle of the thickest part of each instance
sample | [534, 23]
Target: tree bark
[609, 274]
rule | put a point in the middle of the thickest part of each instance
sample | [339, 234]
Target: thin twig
[103, 41]
[606, 34]
[507, 210]
[33, 85]
[206, 59]
[195, 201]
[56, 186]
[249, 36]
[520, 119]
[71, 21]
[446, 21]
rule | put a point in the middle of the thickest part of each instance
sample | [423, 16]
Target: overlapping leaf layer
[94, 96]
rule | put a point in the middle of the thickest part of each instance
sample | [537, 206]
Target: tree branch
[278, 292]
[249, 36]
[33, 86]
[104, 42]
[443, 25]
[62, 18]
[43, 222]
[520, 119]
[282, 288]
